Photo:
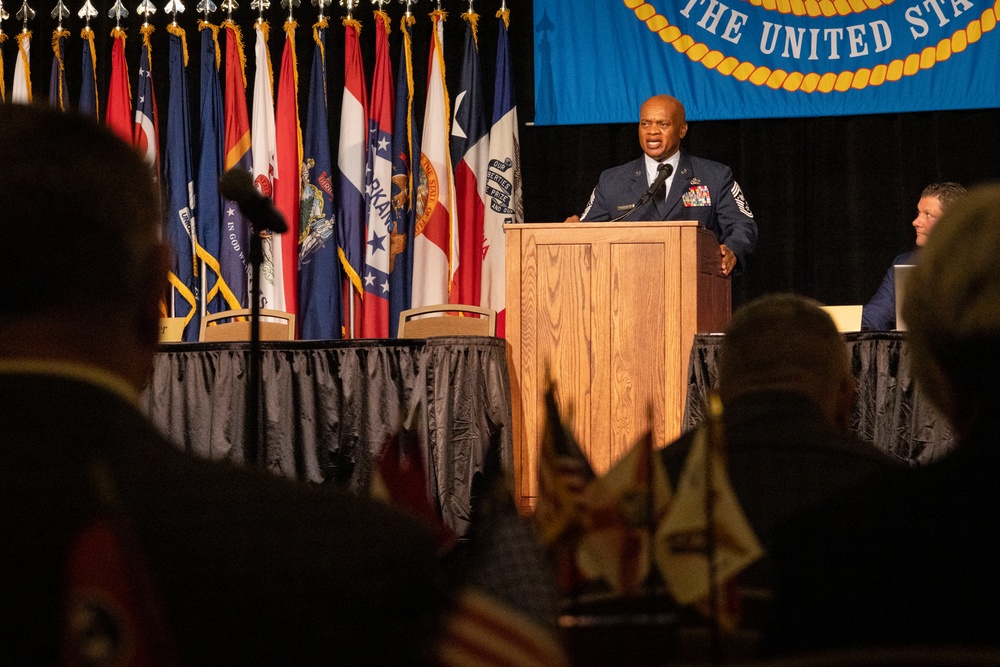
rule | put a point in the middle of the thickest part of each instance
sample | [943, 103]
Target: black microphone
[662, 174]
[236, 185]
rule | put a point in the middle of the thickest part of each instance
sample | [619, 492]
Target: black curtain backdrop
[833, 197]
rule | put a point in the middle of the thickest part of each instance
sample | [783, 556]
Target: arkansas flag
[378, 189]
[503, 181]
[470, 147]
[434, 242]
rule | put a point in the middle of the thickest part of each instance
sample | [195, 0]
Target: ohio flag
[470, 146]
[378, 189]
[434, 245]
[146, 135]
[503, 180]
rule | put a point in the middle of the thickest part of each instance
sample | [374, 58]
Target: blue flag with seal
[597, 60]
[179, 208]
[321, 311]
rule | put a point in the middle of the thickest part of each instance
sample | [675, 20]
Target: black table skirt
[890, 412]
[330, 406]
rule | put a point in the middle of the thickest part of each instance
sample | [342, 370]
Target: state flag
[119, 113]
[180, 216]
[234, 262]
[88, 87]
[351, 174]
[20, 90]
[378, 190]
[434, 245]
[58, 92]
[470, 147]
[404, 146]
[265, 167]
[287, 178]
[321, 312]
[503, 180]
[147, 123]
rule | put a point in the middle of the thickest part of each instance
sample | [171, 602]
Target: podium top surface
[598, 225]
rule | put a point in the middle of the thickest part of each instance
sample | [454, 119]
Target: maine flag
[58, 93]
[233, 258]
[179, 209]
[147, 124]
[434, 244]
[265, 166]
[321, 311]
[88, 88]
[470, 147]
[287, 178]
[503, 181]
[351, 171]
[378, 186]
[119, 113]
[404, 134]
[215, 292]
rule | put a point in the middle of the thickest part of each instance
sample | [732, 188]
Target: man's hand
[728, 259]
[572, 218]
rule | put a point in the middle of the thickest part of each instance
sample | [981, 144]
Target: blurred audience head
[952, 310]
[934, 201]
[786, 342]
[84, 270]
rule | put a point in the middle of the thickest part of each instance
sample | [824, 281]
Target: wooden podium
[611, 309]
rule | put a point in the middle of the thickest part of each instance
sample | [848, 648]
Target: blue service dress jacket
[702, 190]
[879, 314]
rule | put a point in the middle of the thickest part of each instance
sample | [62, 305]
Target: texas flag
[470, 147]
[378, 191]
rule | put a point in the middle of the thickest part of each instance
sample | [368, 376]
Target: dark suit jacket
[879, 314]
[906, 558]
[783, 456]
[727, 213]
[251, 569]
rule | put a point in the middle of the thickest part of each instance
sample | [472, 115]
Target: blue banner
[597, 60]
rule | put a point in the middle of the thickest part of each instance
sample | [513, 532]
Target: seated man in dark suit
[879, 313]
[909, 558]
[788, 396]
[216, 565]
[694, 189]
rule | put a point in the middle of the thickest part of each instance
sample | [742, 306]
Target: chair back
[448, 319]
[847, 318]
[234, 325]
[171, 329]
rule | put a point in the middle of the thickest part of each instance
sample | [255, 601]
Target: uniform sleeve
[597, 209]
[737, 227]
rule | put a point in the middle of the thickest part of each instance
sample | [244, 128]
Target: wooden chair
[846, 318]
[214, 328]
[171, 329]
[447, 319]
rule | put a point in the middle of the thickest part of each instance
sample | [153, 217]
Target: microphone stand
[664, 171]
[254, 427]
